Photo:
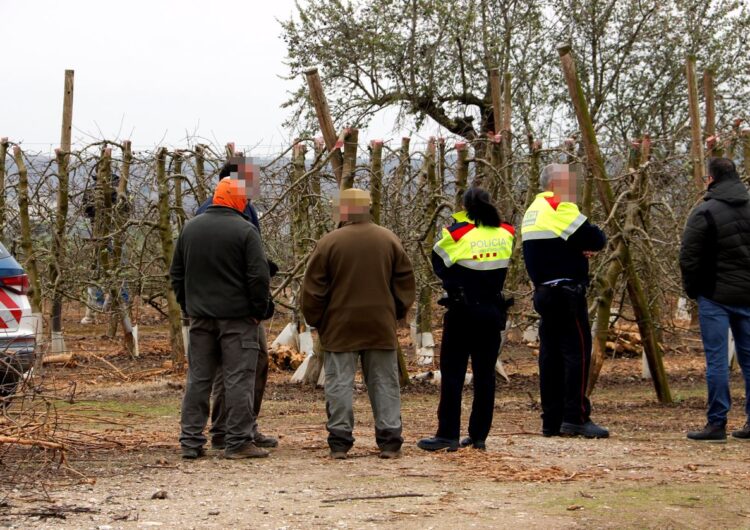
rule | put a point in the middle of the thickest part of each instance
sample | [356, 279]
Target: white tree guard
[186, 341]
[425, 344]
[136, 347]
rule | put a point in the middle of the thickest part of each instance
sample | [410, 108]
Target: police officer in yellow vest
[471, 259]
[557, 242]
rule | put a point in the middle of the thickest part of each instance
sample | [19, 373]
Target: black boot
[587, 430]
[712, 432]
[437, 443]
[744, 433]
[471, 442]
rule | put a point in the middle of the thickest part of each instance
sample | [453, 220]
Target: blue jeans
[715, 321]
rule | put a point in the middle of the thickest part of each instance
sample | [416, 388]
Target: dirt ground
[647, 475]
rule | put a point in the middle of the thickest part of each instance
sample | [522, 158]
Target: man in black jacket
[715, 264]
[220, 276]
[557, 242]
[242, 168]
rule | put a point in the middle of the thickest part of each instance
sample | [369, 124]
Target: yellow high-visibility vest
[543, 221]
[475, 247]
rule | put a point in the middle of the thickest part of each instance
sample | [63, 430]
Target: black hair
[479, 207]
[722, 169]
[227, 169]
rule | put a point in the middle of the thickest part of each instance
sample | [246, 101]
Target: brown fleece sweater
[359, 281]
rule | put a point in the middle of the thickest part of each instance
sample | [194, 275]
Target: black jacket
[554, 259]
[715, 251]
[219, 269]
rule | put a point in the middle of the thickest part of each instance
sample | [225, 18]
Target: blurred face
[565, 183]
[247, 174]
[351, 209]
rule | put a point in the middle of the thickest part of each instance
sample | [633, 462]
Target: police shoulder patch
[459, 230]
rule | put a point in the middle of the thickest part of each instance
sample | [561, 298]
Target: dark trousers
[469, 331]
[716, 320]
[218, 409]
[230, 345]
[564, 354]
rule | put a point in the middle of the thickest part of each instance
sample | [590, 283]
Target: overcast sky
[149, 71]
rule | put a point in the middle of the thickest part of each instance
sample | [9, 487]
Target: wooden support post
[506, 147]
[318, 98]
[708, 92]
[351, 139]
[696, 143]
[636, 292]
[3, 153]
[57, 342]
[167, 246]
[376, 179]
[27, 241]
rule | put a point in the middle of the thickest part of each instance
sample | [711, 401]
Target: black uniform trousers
[469, 330]
[564, 354]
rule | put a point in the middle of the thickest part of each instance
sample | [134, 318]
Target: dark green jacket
[715, 251]
[219, 269]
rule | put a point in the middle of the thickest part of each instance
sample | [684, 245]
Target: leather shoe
[387, 454]
[437, 444]
[587, 430]
[338, 455]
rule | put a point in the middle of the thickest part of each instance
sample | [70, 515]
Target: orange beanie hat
[231, 192]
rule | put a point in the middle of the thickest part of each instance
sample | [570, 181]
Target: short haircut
[545, 177]
[721, 169]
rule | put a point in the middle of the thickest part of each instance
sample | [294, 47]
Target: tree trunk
[376, 179]
[428, 183]
[201, 189]
[57, 343]
[27, 245]
[177, 179]
[167, 247]
[710, 130]
[351, 138]
[3, 153]
[462, 173]
[696, 143]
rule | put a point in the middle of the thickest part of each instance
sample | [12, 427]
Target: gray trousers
[380, 370]
[230, 345]
[219, 411]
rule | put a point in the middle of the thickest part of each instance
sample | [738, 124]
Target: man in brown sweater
[358, 283]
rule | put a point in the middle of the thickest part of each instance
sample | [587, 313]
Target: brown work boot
[249, 450]
[390, 454]
[261, 440]
[338, 455]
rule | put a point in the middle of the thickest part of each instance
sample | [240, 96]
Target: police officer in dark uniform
[472, 260]
[557, 242]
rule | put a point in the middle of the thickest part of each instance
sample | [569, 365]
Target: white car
[17, 324]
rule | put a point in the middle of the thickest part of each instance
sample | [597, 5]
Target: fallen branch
[375, 497]
[26, 441]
